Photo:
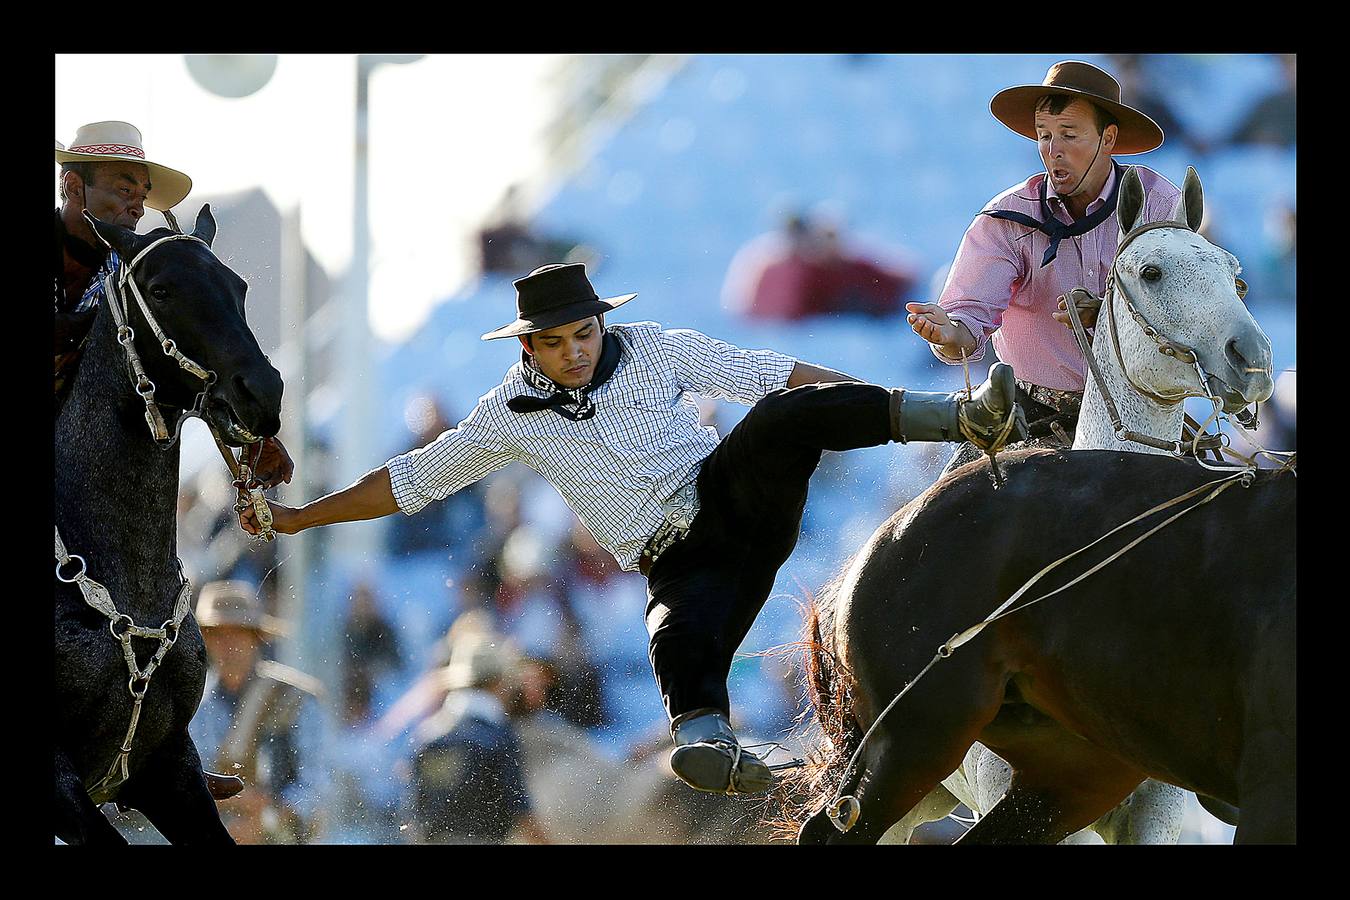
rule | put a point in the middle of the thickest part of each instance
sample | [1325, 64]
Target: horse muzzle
[246, 407]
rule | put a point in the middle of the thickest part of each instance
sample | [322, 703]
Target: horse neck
[116, 491]
[1137, 413]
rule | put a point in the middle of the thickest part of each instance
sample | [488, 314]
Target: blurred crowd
[496, 623]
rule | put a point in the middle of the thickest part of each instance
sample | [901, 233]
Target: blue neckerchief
[94, 293]
[1053, 227]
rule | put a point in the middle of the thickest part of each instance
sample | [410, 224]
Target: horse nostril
[1234, 355]
[241, 388]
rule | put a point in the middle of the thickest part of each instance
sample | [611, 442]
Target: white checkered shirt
[616, 468]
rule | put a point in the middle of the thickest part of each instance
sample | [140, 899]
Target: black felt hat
[555, 295]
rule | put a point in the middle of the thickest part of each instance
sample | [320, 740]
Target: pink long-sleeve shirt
[997, 287]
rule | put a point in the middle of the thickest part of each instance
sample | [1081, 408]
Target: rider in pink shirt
[1038, 240]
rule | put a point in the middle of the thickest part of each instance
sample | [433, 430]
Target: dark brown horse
[1176, 661]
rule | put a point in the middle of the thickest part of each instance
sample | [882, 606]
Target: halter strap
[115, 285]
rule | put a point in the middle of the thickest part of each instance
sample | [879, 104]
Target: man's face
[568, 353]
[1068, 143]
[230, 646]
[116, 192]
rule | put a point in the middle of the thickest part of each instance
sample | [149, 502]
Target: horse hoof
[844, 813]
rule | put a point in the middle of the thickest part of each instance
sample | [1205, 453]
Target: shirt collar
[1057, 202]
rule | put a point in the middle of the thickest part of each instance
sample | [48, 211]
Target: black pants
[704, 593]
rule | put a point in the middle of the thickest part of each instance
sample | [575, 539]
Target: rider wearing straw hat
[105, 170]
[1040, 239]
[607, 416]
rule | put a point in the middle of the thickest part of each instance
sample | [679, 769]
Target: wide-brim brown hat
[235, 603]
[113, 141]
[1015, 107]
[555, 295]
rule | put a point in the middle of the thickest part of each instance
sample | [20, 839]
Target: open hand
[932, 323]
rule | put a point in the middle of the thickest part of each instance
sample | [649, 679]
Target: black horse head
[198, 302]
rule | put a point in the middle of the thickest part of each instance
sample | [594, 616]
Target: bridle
[1200, 442]
[116, 287]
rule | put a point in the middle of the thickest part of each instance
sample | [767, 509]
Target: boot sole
[703, 768]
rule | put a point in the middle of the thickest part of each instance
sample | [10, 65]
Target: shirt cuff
[781, 371]
[409, 499]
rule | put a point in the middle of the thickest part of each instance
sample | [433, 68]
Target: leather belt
[667, 536]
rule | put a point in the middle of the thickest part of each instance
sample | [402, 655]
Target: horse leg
[1153, 814]
[171, 791]
[902, 764]
[1060, 784]
[78, 820]
[894, 775]
[939, 804]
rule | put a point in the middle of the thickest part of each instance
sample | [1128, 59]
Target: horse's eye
[1151, 273]
[159, 292]
[1241, 288]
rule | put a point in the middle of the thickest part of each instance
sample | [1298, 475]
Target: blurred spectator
[508, 245]
[259, 720]
[426, 695]
[1278, 271]
[806, 271]
[451, 525]
[1137, 82]
[534, 609]
[467, 781]
[1273, 121]
[362, 766]
[373, 652]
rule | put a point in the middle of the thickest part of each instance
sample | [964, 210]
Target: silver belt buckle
[680, 510]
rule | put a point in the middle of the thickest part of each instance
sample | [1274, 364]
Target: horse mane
[829, 730]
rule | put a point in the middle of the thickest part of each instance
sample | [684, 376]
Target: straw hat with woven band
[555, 295]
[235, 603]
[1015, 107]
[113, 141]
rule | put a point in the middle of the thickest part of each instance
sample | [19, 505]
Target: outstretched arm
[371, 497]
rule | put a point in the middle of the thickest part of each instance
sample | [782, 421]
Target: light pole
[358, 435]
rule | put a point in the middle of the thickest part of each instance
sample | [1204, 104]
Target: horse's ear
[1191, 204]
[1131, 202]
[121, 240]
[205, 228]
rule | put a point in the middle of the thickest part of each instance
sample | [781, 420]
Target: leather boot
[222, 787]
[934, 416]
[708, 757]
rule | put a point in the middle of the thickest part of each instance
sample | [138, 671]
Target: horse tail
[829, 729]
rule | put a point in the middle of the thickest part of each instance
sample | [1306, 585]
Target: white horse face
[1185, 287]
